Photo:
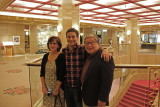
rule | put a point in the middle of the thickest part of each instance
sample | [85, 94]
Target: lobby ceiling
[109, 12]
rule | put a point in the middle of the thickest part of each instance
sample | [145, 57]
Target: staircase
[137, 94]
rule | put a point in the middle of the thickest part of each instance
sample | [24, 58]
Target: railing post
[149, 70]
[155, 78]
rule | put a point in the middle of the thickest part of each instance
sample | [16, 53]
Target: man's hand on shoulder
[105, 54]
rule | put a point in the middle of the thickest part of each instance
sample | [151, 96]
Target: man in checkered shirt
[75, 58]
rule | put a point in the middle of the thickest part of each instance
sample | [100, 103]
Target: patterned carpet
[14, 84]
[17, 90]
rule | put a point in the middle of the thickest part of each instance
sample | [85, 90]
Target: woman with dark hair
[52, 74]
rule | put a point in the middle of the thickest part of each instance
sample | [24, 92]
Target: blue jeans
[73, 96]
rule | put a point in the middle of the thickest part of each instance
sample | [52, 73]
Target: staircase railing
[154, 76]
[149, 72]
[128, 73]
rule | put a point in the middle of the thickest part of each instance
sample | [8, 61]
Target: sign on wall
[16, 40]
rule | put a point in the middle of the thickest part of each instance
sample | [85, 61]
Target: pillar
[114, 37]
[87, 31]
[104, 38]
[121, 36]
[133, 39]
[109, 36]
[68, 17]
[158, 45]
[33, 39]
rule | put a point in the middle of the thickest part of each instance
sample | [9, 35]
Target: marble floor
[14, 84]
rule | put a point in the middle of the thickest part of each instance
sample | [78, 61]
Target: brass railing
[126, 73]
[133, 73]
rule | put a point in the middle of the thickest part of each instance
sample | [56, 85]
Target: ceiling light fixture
[28, 15]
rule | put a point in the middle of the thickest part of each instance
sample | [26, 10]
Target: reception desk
[148, 46]
[9, 50]
[8, 46]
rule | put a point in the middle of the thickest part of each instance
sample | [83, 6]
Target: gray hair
[92, 36]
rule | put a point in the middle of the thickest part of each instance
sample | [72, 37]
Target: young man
[75, 58]
[97, 75]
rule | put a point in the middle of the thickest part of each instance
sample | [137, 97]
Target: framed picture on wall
[16, 40]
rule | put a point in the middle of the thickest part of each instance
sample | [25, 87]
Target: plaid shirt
[74, 62]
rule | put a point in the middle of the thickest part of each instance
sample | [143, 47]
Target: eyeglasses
[52, 43]
[92, 43]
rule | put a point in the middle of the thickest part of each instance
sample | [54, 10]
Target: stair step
[140, 89]
[136, 98]
[140, 86]
[143, 89]
[135, 103]
[124, 104]
[134, 95]
[140, 93]
[134, 84]
[145, 83]
[141, 102]
[131, 103]
[137, 92]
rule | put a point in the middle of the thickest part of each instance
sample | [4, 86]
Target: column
[68, 17]
[87, 31]
[158, 44]
[33, 39]
[121, 36]
[128, 31]
[104, 38]
[132, 39]
[108, 37]
[111, 35]
[114, 40]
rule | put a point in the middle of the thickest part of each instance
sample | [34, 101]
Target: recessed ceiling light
[87, 13]
[103, 10]
[26, 4]
[88, 6]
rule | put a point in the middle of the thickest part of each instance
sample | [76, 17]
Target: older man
[97, 75]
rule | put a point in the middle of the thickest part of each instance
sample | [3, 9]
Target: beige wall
[7, 31]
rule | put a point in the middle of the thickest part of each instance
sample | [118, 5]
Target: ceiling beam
[5, 3]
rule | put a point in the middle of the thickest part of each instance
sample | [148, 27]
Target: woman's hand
[55, 92]
[44, 90]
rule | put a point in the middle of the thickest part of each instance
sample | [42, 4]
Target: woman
[53, 73]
